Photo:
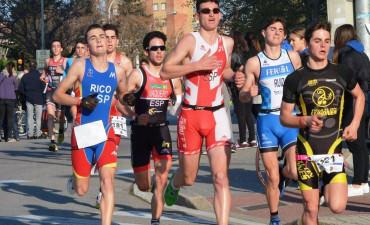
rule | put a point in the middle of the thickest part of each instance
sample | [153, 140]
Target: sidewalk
[248, 199]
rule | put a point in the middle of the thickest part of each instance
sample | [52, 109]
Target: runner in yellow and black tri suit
[318, 89]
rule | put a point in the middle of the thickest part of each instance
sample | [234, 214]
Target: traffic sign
[41, 56]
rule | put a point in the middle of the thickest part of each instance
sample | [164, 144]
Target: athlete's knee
[220, 180]
[143, 186]
[81, 190]
[273, 179]
[311, 209]
[336, 207]
[107, 183]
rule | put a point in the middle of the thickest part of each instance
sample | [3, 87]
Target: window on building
[155, 7]
[163, 6]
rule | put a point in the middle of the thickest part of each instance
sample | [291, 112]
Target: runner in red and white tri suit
[204, 59]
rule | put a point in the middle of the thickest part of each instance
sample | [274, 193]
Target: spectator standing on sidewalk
[317, 89]
[349, 51]
[8, 88]
[32, 88]
[254, 46]
[243, 110]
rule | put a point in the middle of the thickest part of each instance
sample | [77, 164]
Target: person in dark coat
[349, 51]
[32, 88]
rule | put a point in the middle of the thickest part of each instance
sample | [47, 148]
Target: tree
[134, 23]
[65, 20]
[250, 15]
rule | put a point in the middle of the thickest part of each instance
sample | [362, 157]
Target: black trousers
[358, 148]
[245, 119]
[7, 108]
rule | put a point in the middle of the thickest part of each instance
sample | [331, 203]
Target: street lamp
[110, 6]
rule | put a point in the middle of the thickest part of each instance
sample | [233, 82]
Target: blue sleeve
[68, 64]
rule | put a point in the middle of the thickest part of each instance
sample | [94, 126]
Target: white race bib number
[328, 162]
[119, 125]
[90, 134]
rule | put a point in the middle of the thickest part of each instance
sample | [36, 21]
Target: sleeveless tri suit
[203, 114]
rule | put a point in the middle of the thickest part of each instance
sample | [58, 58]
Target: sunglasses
[208, 10]
[156, 47]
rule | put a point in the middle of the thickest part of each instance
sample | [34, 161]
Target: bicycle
[260, 168]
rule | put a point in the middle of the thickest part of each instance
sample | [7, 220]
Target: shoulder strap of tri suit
[141, 89]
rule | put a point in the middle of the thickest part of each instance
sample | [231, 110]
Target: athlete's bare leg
[272, 186]
[336, 195]
[81, 185]
[142, 180]
[161, 175]
[310, 207]
[61, 120]
[106, 175]
[186, 174]
[290, 170]
[219, 159]
[51, 116]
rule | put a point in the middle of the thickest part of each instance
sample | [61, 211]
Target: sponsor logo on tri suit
[220, 48]
[151, 111]
[323, 96]
[304, 172]
[278, 70]
[265, 63]
[112, 75]
[210, 77]
[154, 103]
[331, 80]
[166, 144]
[158, 93]
[114, 153]
[89, 73]
[279, 82]
[312, 82]
[203, 48]
[159, 86]
[266, 142]
[181, 126]
[164, 151]
[103, 90]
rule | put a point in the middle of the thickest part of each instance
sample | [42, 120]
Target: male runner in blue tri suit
[269, 69]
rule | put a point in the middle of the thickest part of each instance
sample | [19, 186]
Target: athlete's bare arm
[74, 77]
[185, 49]
[126, 64]
[287, 119]
[350, 132]
[177, 85]
[252, 73]
[295, 59]
[133, 82]
[228, 72]
[44, 71]
[121, 79]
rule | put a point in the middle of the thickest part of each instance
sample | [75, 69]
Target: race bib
[119, 125]
[328, 162]
[90, 134]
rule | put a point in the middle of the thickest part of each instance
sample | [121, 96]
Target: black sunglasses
[156, 47]
[208, 10]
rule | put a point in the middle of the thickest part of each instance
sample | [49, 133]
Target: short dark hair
[91, 27]
[110, 26]
[81, 40]
[153, 34]
[56, 40]
[325, 25]
[31, 64]
[203, 1]
[272, 20]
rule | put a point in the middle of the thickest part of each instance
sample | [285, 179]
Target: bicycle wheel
[260, 167]
[21, 122]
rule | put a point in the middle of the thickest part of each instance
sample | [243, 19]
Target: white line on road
[13, 181]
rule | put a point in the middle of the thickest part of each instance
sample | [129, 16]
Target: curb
[186, 198]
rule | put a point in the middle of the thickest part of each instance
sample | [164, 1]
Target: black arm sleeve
[291, 84]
